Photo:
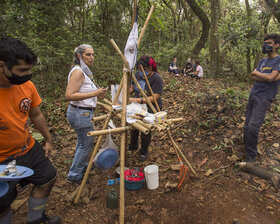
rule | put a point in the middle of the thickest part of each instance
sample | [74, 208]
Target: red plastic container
[133, 183]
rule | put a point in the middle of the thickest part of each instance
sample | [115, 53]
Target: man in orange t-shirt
[19, 100]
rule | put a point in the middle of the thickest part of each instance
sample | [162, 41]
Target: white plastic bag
[108, 155]
[114, 89]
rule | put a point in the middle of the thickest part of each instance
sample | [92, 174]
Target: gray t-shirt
[267, 89]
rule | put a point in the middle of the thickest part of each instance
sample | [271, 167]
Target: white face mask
[85, 68]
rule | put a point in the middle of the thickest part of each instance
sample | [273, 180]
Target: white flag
[130, 51]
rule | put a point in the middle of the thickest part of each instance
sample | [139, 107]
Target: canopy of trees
[224, 34]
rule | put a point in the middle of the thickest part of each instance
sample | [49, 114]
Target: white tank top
[87, 86]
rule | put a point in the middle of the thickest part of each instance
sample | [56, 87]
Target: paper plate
[4, 187]
[22, 172]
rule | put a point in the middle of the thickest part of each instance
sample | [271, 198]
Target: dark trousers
[255, 114]
[145, 141]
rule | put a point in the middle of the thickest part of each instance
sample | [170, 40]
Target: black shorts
[44, 172]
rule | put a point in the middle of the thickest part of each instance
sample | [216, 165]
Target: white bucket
[151, 175]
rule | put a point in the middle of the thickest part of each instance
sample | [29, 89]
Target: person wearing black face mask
[19, 101]
[265, 88]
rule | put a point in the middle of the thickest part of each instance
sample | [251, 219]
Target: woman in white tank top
[82, 92]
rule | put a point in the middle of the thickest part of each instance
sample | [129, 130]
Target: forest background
[225, 35]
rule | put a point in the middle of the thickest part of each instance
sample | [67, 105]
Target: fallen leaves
[202, 162]
[208, 172]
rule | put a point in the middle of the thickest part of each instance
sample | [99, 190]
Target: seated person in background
[194, 65]
[188, 67]
[198, 71]
[156, 84]
[173, 67]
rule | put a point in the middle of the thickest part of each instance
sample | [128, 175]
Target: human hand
[101, 92]
[48, 148]
[132, 100]
[254, 72]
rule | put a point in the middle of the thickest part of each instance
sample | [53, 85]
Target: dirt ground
[210, 137]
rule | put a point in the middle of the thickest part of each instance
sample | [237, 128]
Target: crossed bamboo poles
[141, 126]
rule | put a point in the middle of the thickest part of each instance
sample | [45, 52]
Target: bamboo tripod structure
[139, 125]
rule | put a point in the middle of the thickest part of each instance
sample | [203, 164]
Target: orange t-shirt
[15, 104]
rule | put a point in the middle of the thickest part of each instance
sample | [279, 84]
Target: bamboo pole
[173, 120]
[143, 94]
[133, 76]
[107, 101]
[94, 153]
[118, 93]
[120, 53]
[183, 156]
[99, 118]
[160, 126]
[91, 160]
[150, 88]
[136, 125]
[107, 131]
[146, 125]
[145, 25]
[123, 144]
[134, 12]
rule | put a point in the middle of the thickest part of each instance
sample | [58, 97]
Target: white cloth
[130, 51]
[87, 86]
[85, 68]
[199, 69]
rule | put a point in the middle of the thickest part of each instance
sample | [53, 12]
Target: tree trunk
[205, 26]
[274, 7]
[215, 65]
[248, 49]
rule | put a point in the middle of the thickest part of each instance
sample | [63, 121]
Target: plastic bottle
[113, 181]
[112, 199]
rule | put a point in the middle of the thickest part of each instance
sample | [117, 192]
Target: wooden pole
[145, 25]
[135, 125]
[133, 76]
[183, 156]
[143, 94]
[99, 118]
[107, 131]
[120, 53]
[81, 188]
[134, 13]
[173, 120]
[150, 88]
[123, 144]
[118, 92]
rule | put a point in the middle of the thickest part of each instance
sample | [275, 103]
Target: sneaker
[142, 157]
[177, 75]
[47, 220]
[78, 182]
[91, 169]
[250, 159]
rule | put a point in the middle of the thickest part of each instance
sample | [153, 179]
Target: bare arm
[138, 100]
[40, 124]
[265, 77]
[75, 83]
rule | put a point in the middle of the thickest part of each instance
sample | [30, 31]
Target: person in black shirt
[188, 67]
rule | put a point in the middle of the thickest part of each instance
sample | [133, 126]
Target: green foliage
[54, 28]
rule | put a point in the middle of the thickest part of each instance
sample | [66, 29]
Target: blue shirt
[267, 89]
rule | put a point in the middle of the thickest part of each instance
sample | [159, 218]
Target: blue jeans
[255, 114]
[80, 120]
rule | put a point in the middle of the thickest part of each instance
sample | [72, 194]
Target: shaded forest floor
[210, 137]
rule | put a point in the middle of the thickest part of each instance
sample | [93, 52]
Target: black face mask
[17, 80]
[267, 49]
